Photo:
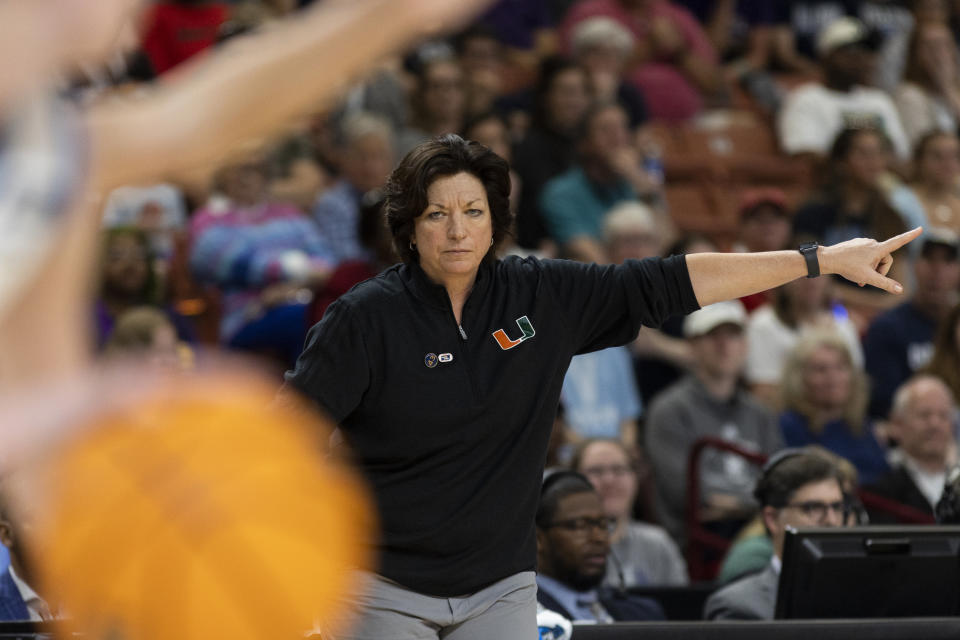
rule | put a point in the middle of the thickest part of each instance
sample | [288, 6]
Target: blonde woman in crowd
[824, 397]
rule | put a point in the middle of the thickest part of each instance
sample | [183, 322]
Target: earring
[491, 242]
[412, 246]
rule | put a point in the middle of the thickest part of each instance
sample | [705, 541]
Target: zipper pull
[463, 334]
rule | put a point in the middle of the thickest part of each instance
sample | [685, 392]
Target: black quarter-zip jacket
[450, 423]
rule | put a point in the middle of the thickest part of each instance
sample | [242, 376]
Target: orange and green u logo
[526, 329]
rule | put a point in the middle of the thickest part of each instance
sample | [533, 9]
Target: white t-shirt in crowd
[769, 342]
[813, 115]
[931, 485]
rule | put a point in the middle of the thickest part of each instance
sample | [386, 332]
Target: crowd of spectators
[635, 128]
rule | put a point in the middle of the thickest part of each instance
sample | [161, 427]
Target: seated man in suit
[798, 488]
[921, 422]
[18, 600]
[573, 542]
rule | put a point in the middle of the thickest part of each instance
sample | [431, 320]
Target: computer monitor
[870, 572]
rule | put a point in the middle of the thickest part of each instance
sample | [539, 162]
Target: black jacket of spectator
[897, 485]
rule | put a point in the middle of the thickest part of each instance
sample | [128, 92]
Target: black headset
[553, 475]
[773, 462]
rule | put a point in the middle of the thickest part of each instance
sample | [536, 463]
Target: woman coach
[444, 373]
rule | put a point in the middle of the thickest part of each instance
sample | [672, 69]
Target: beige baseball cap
[842, 32]
[705, 320]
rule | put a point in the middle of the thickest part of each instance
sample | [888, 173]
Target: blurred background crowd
[634, 128]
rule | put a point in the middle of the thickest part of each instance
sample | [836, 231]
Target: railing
[902, 513]
[701, 541]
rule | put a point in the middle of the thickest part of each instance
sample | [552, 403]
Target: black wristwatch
[809, 252]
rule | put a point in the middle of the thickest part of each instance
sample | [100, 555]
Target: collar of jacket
[435, 295]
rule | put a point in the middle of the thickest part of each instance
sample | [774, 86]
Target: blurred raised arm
[255, 84]
[39, 39]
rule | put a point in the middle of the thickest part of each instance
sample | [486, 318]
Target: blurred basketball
[205, 512]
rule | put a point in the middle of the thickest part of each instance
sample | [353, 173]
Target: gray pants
[506, 610]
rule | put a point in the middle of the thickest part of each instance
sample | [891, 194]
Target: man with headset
[573, 543]
[798, 488]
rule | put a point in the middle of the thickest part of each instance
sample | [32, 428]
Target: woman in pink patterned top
[265, 256]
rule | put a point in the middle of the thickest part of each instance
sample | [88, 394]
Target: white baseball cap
[705, 320]
[842, 32]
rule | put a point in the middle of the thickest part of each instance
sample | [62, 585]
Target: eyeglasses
[616, 470]
[817, 510]
[584, 525]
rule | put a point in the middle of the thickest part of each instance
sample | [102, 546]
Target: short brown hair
[443, 156]
[787, 473]
[576, 460]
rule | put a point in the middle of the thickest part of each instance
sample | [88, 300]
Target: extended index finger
[887, 284]
[894, 243]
